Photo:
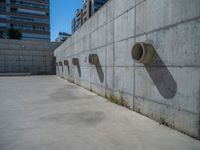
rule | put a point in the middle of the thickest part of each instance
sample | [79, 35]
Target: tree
[14, 34]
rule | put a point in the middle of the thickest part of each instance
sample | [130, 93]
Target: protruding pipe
[60, 63]
[57, 64]
[93, 59]
[75, 61]
[143, 52]
[66, 62]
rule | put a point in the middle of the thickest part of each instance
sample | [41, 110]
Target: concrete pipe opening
[142, 52]
[60, 63]
[93, 59]
[75, 61]
[66, 62]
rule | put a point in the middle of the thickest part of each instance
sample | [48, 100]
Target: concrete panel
[2, 57]
[79, 46]
[20, 54]
[83, 59]
[131, 22]
[101, 53]
[121, 53]
[97, 89]
[124, 98]
[110, 55]
[110, 10]
[110, 78]
[65, 72]
[110, 32]
[157, 84]
[178, 45]
[86, 43]
[94, 23]
[97, 76]
[85, 84]
[29, 63]
[101, 15]
[123, 6]
[155, 14]
[11, 58]
[38, 58]
[121, 27]
[98, 38]
[178, 119]
[137, 2]
[123, 79]
[49, 58]
[2, 69]
[4, 45]
[85, 71]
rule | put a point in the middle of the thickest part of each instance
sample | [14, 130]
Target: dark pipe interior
[66, 63]
[137, 52]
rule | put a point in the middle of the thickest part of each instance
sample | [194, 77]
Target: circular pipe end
[60, 63]
[93, 59]
[142, 52]
[75, 61]
[66, 62]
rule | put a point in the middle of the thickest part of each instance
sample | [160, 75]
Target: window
[2, 8]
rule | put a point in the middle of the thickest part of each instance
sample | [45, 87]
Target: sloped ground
[48, 113]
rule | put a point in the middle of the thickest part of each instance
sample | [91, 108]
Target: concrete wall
[167, 91]
[19, 56]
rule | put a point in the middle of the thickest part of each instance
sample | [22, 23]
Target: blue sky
[61, 15]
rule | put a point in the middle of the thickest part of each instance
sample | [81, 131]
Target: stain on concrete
[69, 94]
[85, 118]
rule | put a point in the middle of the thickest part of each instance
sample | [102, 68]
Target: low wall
[22, 56]
[167, 90]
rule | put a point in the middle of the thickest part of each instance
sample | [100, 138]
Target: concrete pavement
[48, 113]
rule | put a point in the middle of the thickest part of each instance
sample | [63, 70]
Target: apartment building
[30, 17]
[97, 4]
[78, 20]
[62, 36]
[88, 9]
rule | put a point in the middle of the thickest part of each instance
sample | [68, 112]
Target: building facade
[78, 20]
[30, 17]
[97, 4]
[87, 11]
[62, 37]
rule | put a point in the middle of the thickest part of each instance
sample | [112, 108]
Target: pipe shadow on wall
[156, 68]
[61, 65]
[79, 70]
[162, 77]
[75, 62]
[66, 63]
[100, 72]
[68, 69]
[94, 60]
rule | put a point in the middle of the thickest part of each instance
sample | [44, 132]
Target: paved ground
[48, 113]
